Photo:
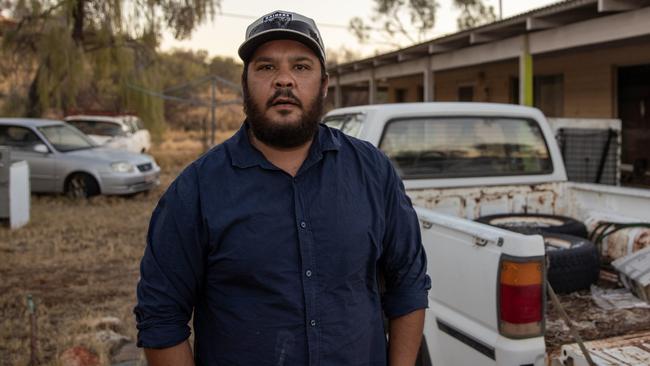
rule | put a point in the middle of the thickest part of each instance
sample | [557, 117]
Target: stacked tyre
[572, 261]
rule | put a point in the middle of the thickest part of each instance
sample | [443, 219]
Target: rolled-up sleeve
[172, 267]
[404, 260]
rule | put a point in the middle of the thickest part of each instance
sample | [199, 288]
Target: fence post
[33, 359]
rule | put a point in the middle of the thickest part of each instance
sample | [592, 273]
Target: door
[634, 112]
[42, 166]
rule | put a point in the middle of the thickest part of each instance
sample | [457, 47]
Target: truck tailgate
[462, 322]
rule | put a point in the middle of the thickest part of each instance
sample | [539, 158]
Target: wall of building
[589, 77]
[491, 82]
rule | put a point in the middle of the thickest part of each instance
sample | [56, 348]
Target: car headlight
[122, 167]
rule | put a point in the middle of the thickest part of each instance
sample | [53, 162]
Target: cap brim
[247, 48]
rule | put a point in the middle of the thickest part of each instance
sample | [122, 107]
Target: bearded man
[276, 240]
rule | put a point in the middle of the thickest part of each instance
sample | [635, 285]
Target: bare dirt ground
[79, 260]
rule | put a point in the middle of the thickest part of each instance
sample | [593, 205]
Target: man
[276, 240]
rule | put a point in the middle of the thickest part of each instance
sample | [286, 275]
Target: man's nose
[284, 79]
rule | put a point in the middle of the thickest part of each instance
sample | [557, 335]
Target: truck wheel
[573, 262]
[536, 224]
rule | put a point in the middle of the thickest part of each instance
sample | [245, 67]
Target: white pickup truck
[462, 161]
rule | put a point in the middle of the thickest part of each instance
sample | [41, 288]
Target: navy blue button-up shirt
[282, 270]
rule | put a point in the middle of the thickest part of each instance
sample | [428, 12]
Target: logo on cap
[279, 17]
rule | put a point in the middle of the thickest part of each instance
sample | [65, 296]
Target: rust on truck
[473, 202]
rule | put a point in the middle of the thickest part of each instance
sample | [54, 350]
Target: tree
[474, 13]
[340, 56]
[392, 16]
[91, 51]
[184, 75]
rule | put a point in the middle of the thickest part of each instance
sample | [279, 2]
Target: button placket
[306, 251]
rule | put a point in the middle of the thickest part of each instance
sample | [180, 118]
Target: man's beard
[283, 135]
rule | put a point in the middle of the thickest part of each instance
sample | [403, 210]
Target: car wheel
[81, 185]
[572, 263]
[536, 224]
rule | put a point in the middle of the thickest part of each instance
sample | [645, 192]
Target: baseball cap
[282, 25]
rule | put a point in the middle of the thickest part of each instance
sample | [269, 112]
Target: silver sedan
[63, 160]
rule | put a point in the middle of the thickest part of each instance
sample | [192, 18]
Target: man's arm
[178, 355]
[404, 266]
[172, 267]
[405, 336]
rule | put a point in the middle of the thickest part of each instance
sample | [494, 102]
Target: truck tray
[625, 350]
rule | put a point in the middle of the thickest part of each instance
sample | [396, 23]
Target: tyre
[536, 224]
[572, 263]
[81, 185]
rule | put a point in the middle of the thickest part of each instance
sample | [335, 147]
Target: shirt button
[303, 224]
[312, 323]
[308, 273]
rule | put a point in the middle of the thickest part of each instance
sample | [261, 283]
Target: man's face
[284, 93]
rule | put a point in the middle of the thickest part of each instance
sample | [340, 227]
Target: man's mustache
[283, 96]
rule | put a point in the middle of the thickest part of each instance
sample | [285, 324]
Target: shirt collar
[244, 155]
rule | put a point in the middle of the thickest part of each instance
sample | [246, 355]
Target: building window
[548, 94]
[466, 93]
[400, 95]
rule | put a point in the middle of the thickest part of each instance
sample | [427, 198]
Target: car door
[42, 166]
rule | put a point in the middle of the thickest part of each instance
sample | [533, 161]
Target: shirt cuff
[162, 336]
[397, 304]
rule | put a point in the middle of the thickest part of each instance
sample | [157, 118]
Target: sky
[224, 35]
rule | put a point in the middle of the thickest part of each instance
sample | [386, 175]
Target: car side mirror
[41, 148]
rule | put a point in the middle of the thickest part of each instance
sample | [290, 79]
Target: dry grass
[79, 260]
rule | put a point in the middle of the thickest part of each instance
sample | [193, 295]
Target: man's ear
[325, 84]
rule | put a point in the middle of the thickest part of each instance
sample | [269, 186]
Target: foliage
[474, 13]
[183, 73]
[392, 16]
[87, 53]
[341, 56]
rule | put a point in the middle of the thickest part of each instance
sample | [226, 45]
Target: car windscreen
[66, 138]
[458, 147]
[99, 128]
[350, 124]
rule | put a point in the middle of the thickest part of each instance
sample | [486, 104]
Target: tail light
[521, 297]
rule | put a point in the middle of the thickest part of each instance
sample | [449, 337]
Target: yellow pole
[526, 75]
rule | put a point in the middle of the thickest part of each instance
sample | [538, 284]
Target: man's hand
[405, 336]
[178, 355]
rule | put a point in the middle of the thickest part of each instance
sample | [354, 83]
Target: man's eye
[265, 67]
[302, 67]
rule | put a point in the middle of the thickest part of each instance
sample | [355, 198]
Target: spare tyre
[572, 262]
[536, 224]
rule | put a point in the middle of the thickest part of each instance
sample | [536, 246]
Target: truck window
[99, 128]
[350, 124]
[465, 147]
